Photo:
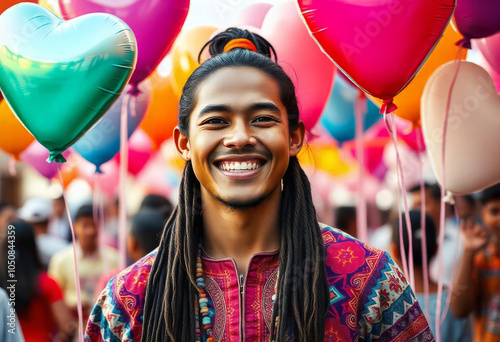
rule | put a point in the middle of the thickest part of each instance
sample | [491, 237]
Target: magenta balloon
[155, 23]
[310, 69]
[477, 19]
[36, 156]
[253, 15]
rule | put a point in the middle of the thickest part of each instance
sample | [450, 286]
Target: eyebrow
[226, 109]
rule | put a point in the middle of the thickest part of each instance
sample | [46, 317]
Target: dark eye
[264, 119]
[214, 121]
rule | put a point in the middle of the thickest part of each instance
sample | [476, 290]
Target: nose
[240, 136]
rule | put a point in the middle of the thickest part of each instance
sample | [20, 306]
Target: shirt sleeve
[391, 311]
[50, 288]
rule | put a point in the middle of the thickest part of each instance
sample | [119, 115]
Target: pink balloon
[155, 24]
[373, 153]
[140, 148]
[157, 178]
[107, 180]
[380, 45]
[404, 131]
[253, 15]
[36, 156]
[490, 49]
[310, 70]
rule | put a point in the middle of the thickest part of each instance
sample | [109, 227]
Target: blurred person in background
[36, 211]
[477, 284]
[159, 203]
[58, 222]
[143, 237]
[145, 233]
[345, 220]
[7, 214]
[38, 298]
[93, 261]
[452, 248]
[453, 328]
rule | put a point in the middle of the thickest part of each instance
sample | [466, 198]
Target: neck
[239, 234]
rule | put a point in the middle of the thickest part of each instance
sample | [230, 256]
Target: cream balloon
[472, 160]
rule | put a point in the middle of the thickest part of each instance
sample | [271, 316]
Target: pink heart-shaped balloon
[379, 45]
[155, 24]
[472, 139]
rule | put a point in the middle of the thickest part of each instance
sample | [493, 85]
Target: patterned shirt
[370, 299]
[487, 318]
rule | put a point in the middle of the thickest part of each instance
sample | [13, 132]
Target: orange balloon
[4, 4]
[14, 138]
[408, 101]
[185, 54]
[161, 117]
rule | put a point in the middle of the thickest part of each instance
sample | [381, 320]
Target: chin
[242, 203]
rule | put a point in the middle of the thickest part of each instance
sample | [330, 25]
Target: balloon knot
[134, 91]
[448, 198]
[98, 169]
[388, 107]
[56, 157]
[465, 42]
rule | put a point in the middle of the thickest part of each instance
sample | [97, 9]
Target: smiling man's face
[239, 141]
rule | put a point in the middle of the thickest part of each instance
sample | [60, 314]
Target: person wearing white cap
[36, 211]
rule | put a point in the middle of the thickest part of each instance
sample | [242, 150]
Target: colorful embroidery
[370, 299]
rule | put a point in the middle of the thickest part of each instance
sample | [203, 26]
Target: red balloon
[379, 45]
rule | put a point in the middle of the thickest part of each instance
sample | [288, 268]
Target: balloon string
[133, 110]
[453, 270]
[361, 216]
[12, 167]
[77, 274]
[442, 216]
[423, 240]
[99, 216]
[408, 268]
[122, 208]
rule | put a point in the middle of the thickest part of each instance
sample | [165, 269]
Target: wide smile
[240, 168]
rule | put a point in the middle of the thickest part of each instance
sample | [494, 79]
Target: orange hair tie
[240, 43]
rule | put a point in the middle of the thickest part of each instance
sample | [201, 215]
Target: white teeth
[236, 166]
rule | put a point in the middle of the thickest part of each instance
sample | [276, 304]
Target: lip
[240, 158]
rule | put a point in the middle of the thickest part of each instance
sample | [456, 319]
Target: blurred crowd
[39, 237]
[470, 252]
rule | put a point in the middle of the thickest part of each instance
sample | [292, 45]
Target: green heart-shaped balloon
[59, 77]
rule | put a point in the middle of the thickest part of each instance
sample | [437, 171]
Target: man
[93, 261]
[58, 223]
[36, 211]
[477, 285]
[245, 215]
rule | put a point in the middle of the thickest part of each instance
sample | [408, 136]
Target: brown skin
[240, 130]
[134, 250]
[87, 234]
[58, 208]
[63, 317]
[474, 239]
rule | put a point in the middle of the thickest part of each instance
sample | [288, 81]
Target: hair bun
[240, 38]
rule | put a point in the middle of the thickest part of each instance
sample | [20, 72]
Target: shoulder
[369, 293]
[117, 314]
